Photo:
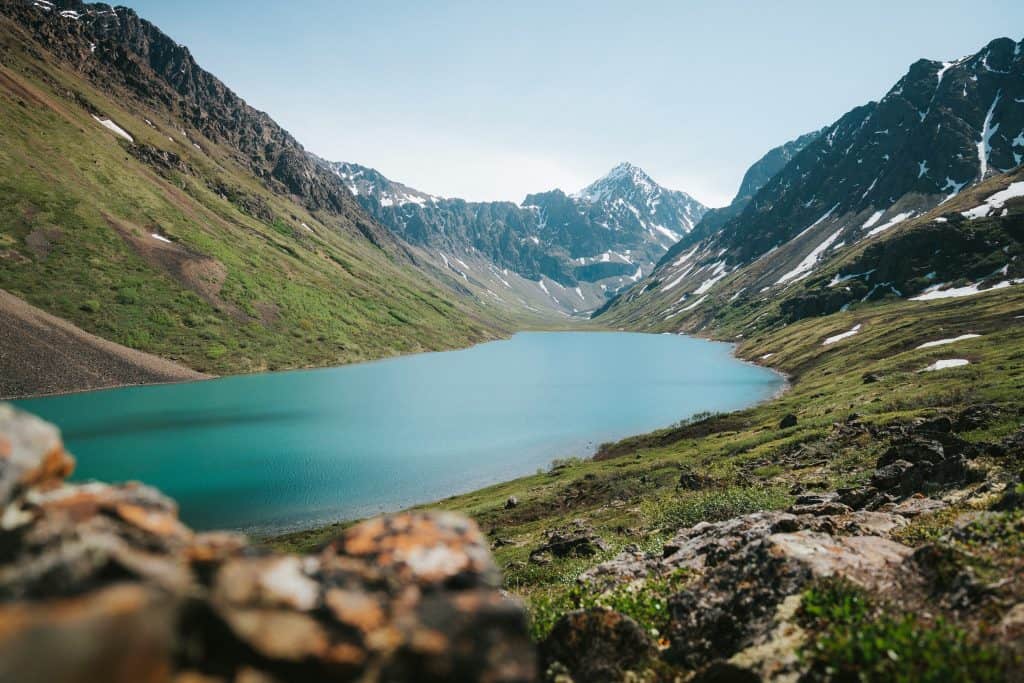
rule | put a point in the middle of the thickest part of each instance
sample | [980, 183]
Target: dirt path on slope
[42, 354]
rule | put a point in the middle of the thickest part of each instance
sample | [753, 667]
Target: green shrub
[127, 296]
[216, 351]
[91, 306]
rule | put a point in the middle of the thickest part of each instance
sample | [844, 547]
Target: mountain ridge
[942, 128]
[601, 238]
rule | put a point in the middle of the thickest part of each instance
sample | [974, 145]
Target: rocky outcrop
[109, 578]
[734, 615]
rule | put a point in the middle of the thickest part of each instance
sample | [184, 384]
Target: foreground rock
[746, 567]
[104, 583]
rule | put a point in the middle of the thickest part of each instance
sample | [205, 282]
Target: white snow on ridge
[717, 274]
[952, 340]
[686, 257]
[996, 201]
[113, 127]
[987, 131]
[670, 286]
[674, 236]
[947, 363]
[817, 222]
[161, 238]
[935, 292]
[842, 336]
[694, 305]
[804, 268]
[875, 217]
[895, 220]
[540, 283]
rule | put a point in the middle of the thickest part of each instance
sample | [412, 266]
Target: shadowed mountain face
[944, 128]
[149, 205]
[114, 44]
[611, 232]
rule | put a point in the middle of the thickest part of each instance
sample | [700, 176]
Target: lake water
[272, 452]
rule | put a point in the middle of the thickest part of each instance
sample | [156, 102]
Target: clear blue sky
[491, 100]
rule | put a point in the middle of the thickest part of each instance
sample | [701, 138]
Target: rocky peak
[625, 181]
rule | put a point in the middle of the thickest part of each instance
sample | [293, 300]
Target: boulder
[745, 567]
[511, 502]
[576, 540]
[788, 421]
[596, 645]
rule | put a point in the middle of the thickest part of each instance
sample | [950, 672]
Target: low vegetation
[715, 467]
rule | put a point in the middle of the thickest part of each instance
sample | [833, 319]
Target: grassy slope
[290, 297]
[632, 498]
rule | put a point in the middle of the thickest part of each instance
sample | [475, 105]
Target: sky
[494, 100]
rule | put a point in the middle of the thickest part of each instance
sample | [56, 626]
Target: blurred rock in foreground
[104, 583]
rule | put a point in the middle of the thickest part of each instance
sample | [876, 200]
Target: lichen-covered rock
[747, 566]
[111, 580]
[31, 453]
[596, 645]
[576, 540]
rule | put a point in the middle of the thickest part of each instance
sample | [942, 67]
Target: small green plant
[91, 306]
[281, 227]
[689, 508]
[645, 602]
[854, 639]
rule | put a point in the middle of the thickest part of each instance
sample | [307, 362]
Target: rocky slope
[898, 163]
[599, 240]
[151, 206]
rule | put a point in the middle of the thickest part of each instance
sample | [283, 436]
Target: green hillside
[240, 278]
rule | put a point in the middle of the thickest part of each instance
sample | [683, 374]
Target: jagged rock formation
[103, 583]
[610, 233]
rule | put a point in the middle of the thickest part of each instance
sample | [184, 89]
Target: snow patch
[996, 201]
[842, 336]
[947, 363]
[116, 129]
[804, 268]
[875, 217]
[895, 220]
[951, 340]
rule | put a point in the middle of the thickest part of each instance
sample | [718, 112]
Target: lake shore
[43, 355]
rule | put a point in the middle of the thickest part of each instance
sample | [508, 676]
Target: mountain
[756, 177]
[599, 240]
[902, 163]
[149, 205]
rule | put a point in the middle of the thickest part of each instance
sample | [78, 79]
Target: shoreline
[786, 385]
[203, 377]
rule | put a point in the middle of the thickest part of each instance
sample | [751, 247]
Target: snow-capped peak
[618, 181]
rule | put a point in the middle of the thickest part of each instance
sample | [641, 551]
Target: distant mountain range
[847, 195]
[610, 233]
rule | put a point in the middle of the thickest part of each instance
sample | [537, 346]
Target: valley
[780, 439]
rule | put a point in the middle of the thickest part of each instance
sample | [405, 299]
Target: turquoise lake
[273, 452]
